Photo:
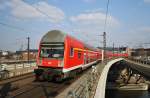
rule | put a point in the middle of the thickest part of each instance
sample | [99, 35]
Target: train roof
[53, 36]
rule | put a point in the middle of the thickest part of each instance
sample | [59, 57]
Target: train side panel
[77, 56]
[73, 54]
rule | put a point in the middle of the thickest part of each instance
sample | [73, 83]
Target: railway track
[41, 89]
[17, 78]
[26, 87]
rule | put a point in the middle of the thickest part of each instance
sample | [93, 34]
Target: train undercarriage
[51, 74]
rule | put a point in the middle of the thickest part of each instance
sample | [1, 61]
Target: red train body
[61, 56]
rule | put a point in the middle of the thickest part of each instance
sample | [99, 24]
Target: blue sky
[128, 21]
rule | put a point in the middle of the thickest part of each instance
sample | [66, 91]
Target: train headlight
[39, 62]
[60, 63]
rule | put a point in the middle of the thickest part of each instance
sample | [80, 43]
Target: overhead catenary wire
[13, 27]
[22, 29]
[105, 22]
[17, 28]
[45, 14]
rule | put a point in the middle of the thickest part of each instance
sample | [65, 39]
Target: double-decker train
[61, 56]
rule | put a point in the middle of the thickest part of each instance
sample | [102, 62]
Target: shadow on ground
[6, 88]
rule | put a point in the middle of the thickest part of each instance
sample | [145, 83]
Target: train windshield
[52, 51]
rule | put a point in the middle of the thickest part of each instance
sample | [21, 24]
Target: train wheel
[49, 78]
[39, 78]
[73, 74]
[59, 79]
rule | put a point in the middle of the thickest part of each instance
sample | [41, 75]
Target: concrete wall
[16, 69]
[100, 91]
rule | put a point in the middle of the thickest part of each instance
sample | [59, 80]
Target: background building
[23, 55]
[141, 53]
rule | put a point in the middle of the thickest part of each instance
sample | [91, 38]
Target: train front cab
[50, 61]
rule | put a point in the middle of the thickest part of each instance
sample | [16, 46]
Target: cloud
[39, 10]
[2, 7]
[144, 30]
[91, 23]
[3, 4]
[93, 18]
[95, 10]
[147, 1]
[54, 13]
[135, 37]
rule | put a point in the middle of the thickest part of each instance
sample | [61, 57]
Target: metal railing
[13, 69]
[146, 62]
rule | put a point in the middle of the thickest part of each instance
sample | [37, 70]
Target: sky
[128, 22]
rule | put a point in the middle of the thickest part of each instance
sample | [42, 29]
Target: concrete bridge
[94, 85]
[141, 67]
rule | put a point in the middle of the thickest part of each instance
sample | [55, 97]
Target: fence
[12, 69]
[147, 62]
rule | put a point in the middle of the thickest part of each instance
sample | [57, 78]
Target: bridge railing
[13, 69]
[146, 62]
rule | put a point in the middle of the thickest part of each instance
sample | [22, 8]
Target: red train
[61, 56]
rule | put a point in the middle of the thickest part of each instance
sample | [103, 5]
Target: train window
[52, 52]
[79, 54]
[71, 52]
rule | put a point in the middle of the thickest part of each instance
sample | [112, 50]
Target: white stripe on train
[79, 66]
